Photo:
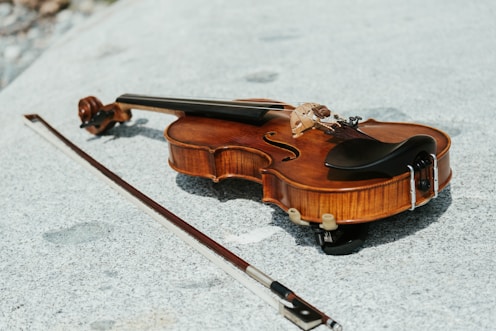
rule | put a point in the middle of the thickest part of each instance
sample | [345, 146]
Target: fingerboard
[243, 110]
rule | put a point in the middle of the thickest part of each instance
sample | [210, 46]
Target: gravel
[25, 33]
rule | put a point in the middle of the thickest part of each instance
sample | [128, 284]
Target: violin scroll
[97, 118]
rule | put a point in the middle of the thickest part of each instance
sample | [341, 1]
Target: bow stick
[290, 305]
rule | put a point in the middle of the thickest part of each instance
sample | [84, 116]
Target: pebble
[12, 52]
[25, 34]
[5, 9]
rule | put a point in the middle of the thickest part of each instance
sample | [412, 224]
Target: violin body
[239, 150]
[296, 166]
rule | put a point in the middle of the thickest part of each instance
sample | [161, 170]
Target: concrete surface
[76, 256]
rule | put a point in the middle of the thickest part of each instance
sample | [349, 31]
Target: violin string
[243, 104]
[231, 104]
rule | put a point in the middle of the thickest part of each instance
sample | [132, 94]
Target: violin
[330, 173]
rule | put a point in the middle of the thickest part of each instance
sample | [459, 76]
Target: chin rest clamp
[368, 158]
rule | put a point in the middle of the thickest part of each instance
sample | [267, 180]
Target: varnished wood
[302, 183]
[291, 169]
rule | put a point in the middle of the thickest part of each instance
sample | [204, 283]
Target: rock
[49, 8]
[64, 22]
[9, 74]
[33, 33]
[86, 6]
[45, 7]
[12, 52]
[25, 29]
[27, 3]
[5, 9]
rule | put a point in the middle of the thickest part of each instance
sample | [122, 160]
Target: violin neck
[241, 110]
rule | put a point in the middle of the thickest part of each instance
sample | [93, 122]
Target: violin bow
[289, 304]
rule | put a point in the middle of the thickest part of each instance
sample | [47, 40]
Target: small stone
[49, 8]
[21, 10]
[12, 52]
[86, 6]
[64, 16]
[5, 9]
[29, 57]
[9, 74]
[9, 20]
[64, 22]
[26, 3]
[33, 33]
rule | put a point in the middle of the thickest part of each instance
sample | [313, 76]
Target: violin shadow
[225, 190]
[233, 188]
[409, 222]
[137, 128]
[380, 232]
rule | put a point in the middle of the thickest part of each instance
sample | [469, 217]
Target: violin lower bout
[220, 150]
[359, 205]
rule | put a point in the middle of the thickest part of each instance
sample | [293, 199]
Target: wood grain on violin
[322, 169]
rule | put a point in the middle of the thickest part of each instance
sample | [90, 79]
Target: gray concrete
[76, 256]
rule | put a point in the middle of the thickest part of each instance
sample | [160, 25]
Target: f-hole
[295, 153]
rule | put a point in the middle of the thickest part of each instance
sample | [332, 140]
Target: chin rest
[373, 156]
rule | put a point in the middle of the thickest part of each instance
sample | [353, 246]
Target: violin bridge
[313, 115]
[303, 118]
